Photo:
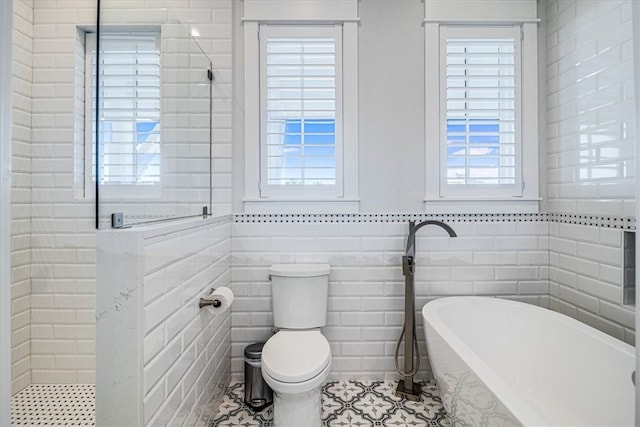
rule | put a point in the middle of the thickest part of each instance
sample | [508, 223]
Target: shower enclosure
[151, 151]
[120, 115]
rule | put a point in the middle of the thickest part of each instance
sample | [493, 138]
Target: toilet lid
[295, 356]
[299, 270]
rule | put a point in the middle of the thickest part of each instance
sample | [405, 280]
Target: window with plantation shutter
[129, 110]
[301, 120]
[300, 107]
[481, 111]
[478, 147]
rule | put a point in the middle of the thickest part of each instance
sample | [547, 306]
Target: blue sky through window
[475, 152]
[308, 152]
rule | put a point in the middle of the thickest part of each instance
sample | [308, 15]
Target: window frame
[301, 191]
[152, 191]
[523, 196]
[485, 32]
[288, 13]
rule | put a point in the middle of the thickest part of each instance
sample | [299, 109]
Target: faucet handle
[407, 265]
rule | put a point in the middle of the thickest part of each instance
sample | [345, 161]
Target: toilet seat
[295, 356]
[281, 388]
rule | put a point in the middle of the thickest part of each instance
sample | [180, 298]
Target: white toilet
[297, 359]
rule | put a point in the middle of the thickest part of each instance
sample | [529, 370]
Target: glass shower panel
[152, 159]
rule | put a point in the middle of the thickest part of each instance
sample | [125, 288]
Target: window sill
[481, 206]
[300, 206]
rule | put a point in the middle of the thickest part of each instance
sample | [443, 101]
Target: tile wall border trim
[624, 223]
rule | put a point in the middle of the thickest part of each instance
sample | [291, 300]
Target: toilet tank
[299, 295]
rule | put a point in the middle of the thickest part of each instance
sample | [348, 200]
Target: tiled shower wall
[590, 157]
[53, 246]
[503, 255]
[62, 234]
[21, 195]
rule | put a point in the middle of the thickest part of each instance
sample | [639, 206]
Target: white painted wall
[391, 107]
[391, 87]
[391, 79]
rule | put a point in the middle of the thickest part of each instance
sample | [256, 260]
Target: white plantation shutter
[301, 124]
[129, 108]
[480, 110]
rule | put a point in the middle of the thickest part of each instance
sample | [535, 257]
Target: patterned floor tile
[344, 404]
[54, 405]
[235, 413]
[347, 404]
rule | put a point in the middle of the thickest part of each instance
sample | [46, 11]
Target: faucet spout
[413, 228]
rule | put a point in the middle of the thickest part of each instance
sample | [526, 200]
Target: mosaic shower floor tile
[54, 405]
[346, 404]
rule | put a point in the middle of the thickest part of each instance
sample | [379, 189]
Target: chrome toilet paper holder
[207, 302]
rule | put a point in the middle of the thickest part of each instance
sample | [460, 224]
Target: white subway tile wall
[186, 350]
[590, 150]
[21, 255]
[586, 277]
[54, 238]
[150, 280]
[62, 237]
[590, 157]
[505, 257]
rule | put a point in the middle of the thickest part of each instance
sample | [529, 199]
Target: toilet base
[295, 410]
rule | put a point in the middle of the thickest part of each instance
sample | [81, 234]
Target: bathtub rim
[519, 407]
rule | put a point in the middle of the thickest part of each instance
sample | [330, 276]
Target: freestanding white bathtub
[505, 363]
